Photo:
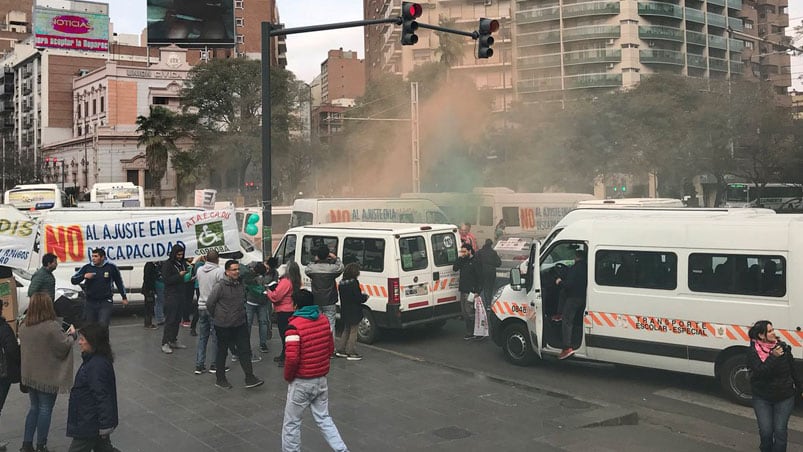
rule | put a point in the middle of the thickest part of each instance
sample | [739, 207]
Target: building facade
[342, 76]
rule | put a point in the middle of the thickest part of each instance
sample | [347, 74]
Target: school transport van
[406, 269]
[668, 293]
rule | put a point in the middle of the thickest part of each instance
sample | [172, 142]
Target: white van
[117, 194]
[632, 202]
[36, 197]
[669, 293]
[370, 210]
[280, 222]
[531, 214]
[405, 269]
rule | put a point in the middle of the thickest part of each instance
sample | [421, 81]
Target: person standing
[256, 304]
[43, 279]
[92, 411]
[226, 306]
[351, 300]
[489, 261]
[282, 299]
[208, 275]
[150, 274]
[174, 270]
[467, 237]
[196, 265]
[97, 278]
[499, 230]
[11, 354]
[188, 306]
[322, 274]
[47, 367]
[574, 289]
[309, 346]
[468, 284]
[775, 385]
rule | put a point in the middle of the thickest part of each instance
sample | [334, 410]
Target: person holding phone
[97, 278]
[774, 383]
[174, 270]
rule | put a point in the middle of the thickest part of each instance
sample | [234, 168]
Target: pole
[267, 193]
[416, 157]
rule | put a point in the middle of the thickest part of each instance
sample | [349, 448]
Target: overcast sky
[306, 52]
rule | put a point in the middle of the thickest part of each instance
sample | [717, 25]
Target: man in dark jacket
[574, 287]
[43, 280]
[308, 346]
[467, 265]
[149, 276]
[174, 270]
[322, 274]
[489, 261]
[11, 350]
[97, 278]
[226, 305]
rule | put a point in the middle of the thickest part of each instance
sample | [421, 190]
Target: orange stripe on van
[607, 320]
[790, 338]
[741, 333]
[596, 320]
[384, 291]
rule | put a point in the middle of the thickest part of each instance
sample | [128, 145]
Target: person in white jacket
[208, 275]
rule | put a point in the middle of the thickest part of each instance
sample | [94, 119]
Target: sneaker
[223, 384]
[253, 382]
[147, 327]
[42, 448]
[166, 349]
[468, 337]
[256, 359]
[354, 357]
[3, 446]
[177, 345]
[567, 352]
[341, 355]
[199, 370]
[213, 369]
[186, 324]
[263, 349]
[480, 338]
[556, 318]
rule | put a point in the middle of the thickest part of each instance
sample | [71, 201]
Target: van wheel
[367, 331]
[734, 377]
[517, 346]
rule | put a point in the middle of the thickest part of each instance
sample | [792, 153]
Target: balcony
[717, 20]
[736, 23]
[603, 80]
[716, 2]
[538, 15]
[540, 61]
[717, 42]
[593, 32]
[695, 15]
[693, 37]
[592, 56]
[736, 45]
[737, 67]
[539, 85]
[543, 38]
[590, 9]
[659, 32]
[697, 61]
[660, 56]
[718, 64]
[660, 9]
[735, 4]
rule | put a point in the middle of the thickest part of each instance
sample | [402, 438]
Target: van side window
[413, 252]
[486, 216]
[511, 216]
[643, 269]
[311, 242]
[287, 250]
[239, 216]
[299, 218]
[739, 274]
[370, 253]
[444, 246]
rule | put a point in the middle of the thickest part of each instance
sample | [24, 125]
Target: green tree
[450, 46]
[159, 132]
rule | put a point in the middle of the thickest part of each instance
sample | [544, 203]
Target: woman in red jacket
[282, 299]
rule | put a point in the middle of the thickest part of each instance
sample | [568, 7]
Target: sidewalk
[384, 402]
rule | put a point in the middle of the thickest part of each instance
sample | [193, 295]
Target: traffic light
[485, 40]
[410, 12]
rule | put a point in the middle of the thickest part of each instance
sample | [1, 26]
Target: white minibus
[117, 194]
[369, 210]
[668, 293]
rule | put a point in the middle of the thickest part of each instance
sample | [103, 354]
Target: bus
[117, 194]
[773, 195]
[35, 197]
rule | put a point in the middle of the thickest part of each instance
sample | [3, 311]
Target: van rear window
[741, 274]
[300, 219]
[413, 251]
[511, 216]
[444, 246]
[370, 253]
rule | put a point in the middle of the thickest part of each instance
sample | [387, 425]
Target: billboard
[191, 23]
[64, 29]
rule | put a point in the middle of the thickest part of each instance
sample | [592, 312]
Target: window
[511, 216]
[94, 107]
[161, 101]
[644, 269]
[748, 44]
[311, 243]
[748, 25]
[102, 104]
[239, 21]
[370, 253]
[300, 219]
[240, 39]
[444, 247]
[413, 253]
[287, 250]
[740, 274]
[132, 176]
[486, 216]
[238, 4]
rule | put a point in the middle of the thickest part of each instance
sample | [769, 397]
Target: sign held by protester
[17, 236]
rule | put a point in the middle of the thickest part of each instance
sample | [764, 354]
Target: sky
[305, 52]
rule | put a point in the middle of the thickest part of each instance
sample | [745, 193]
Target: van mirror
[515, 279]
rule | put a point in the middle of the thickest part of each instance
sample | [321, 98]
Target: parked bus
[34, 197]
[117, 194]
[773, 195]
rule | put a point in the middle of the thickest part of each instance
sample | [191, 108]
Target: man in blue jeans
[256, 305]
[97, 278]
[208, 275]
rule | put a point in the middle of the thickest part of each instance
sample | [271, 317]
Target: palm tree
[450, 48]
[158, 134]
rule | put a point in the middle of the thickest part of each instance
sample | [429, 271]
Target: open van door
[532, 285]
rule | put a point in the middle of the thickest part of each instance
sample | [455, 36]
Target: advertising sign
[134, 240]
[191, 23]
[39, 198]
[205, 198]
[17, 235]
[63, 29]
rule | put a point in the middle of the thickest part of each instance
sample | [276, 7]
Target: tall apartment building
[385, 54]
[569, 48]
[342, 76]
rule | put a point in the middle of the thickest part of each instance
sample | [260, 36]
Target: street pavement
[418, 390]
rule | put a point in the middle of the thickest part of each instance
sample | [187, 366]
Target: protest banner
[17, 236]
[142, 239]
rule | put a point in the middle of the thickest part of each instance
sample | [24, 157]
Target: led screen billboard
[64, 29]
[191, 23]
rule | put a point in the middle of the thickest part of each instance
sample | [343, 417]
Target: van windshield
[299, 218]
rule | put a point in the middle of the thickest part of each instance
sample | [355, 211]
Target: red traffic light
[488, 26]
[411, 10]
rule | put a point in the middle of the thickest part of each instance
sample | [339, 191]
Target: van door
[444, 292]
[415, 278]
[532, 285]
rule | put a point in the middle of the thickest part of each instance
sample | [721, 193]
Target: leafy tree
[158, 134]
